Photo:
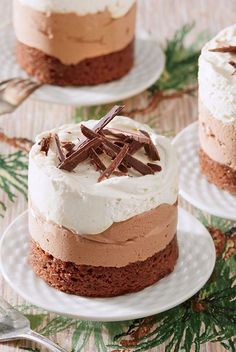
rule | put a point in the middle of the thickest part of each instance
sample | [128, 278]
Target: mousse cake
[217, 110]
[103, 206]
[75, 42]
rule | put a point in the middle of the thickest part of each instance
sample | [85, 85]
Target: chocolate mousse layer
[50, 70]
[91, 281]
[217, 150]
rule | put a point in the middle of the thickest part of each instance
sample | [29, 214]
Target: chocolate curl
[45, 144]
[115, 163]
[225, 49]
[135, 163]
[79, 155]
[96, 160]
[59, 150]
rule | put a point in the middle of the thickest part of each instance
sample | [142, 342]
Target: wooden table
[161, 18]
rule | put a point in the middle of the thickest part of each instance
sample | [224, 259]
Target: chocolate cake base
[100, 281]
[49, 70]
[221, 175]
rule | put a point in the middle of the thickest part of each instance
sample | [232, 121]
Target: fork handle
[34, 336]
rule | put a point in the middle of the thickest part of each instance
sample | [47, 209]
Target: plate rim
[185, 195]
[132, 316]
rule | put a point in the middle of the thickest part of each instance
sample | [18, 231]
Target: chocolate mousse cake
[217, 110]
[103, 206]
[75, 42]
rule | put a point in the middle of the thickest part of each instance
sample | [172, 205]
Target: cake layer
[50, 70]
[221, 175]
[217, 138]
[123, 243]
[72, 38]
[82, 7]
[87, 280]
[60, 195]
[217, 81]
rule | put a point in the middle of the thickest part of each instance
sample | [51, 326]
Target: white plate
[194, 187]
[149, 64]
[194, 267]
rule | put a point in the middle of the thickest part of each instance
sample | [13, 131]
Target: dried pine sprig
[13, 176]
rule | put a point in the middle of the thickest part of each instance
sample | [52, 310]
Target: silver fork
[14, 91]
[15, 326]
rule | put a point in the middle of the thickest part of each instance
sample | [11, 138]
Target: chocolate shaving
[96, 160]
[79, 155]
[233, 64]
[225, 49]
[68, 146]
[134, 147]
[107, 118]
[45, 144]
[119, 173]
[115, 163]
[100, 125]
[155, 167]
[123, 168]
[59, 150]
[124, 134]
[132, 161]
[150, 148]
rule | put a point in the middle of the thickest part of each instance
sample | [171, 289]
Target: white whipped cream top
[78, 202]
[117, 8]
[217, 83]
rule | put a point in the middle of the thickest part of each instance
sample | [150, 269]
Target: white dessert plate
[149, 64]
[194, 187]
[194, 267]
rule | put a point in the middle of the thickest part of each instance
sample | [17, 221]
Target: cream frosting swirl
[217, 83]
[78, 202]
[117, 8]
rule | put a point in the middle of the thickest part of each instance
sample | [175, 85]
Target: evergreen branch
[13, 176]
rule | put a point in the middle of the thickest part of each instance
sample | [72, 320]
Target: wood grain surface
[161, 18]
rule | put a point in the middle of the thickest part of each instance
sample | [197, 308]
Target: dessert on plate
[75, 42]
[103, 206]
[217, 110]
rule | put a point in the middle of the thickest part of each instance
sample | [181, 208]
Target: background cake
[217, 110]
[103, 211]
[76, 42]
